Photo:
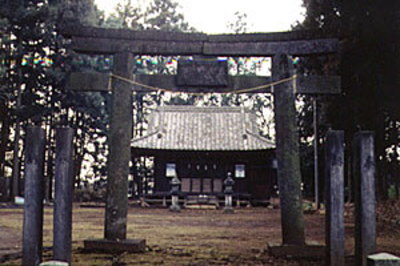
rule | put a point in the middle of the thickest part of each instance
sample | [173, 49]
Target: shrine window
[240, 171]
[170, 170]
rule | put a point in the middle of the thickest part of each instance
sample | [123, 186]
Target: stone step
[201, 200]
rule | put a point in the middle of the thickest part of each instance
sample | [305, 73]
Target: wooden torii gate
[124, 44]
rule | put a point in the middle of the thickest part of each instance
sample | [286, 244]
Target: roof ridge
[191, 108]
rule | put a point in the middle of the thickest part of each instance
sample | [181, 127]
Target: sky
[212, 16]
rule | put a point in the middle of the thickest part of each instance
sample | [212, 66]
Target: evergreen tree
[35, 61]
[368, 68]
[164, 15]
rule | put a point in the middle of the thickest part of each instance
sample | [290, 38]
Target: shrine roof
[202, 129]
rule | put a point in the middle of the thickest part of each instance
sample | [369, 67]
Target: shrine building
[201, 145]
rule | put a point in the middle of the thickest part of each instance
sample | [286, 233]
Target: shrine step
[201, 201]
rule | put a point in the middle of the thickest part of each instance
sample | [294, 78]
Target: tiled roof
[202, 129]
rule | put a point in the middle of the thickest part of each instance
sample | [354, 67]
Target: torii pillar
[287, 152]
[288, 157]
[115, 227]
[119, 150]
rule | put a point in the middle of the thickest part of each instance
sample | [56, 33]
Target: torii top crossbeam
[109, 41]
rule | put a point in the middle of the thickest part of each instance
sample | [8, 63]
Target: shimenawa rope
[265, 86]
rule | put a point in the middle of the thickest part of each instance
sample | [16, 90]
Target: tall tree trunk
[5, 134]
[16, 160]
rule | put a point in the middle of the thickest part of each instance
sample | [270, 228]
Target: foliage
[164, 15]
[239, 24]
[29, 50]
[35, 61]
[125, 16]
[369, 65]
[157, 15]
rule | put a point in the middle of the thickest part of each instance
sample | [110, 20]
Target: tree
[126, 16]
[91, 109]
[164, 15]
[25, 71]
[35, 62]
[368, 69]
[239, 24]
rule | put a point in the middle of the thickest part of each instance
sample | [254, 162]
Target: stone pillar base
[383, 259]
[54, 263]
[175, 208]
[114, 246]
[306, 251]
[228, 210]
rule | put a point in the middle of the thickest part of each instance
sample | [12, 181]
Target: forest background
[35, 61]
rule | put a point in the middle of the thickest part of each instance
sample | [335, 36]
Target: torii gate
[124, 44]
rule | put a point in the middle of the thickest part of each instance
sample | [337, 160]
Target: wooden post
[120, 151]
[364, 175]
[349, 178]
[33, 207]
[287, 148]
[334, 198]
[64, 182]
[315, 143]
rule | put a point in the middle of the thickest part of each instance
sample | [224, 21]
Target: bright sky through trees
[212, 16]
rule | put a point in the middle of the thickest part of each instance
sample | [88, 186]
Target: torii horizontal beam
[110, 41]
[94, 81]
[156, 35]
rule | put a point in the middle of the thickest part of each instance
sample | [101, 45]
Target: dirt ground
[192, 237]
